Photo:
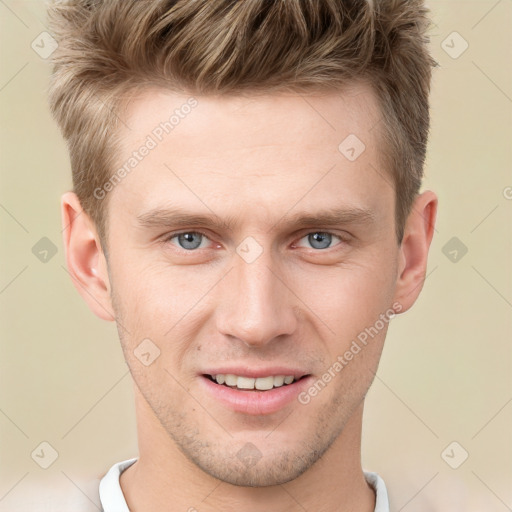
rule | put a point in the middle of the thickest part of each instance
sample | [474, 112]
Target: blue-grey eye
[320, 240]
[191, 240]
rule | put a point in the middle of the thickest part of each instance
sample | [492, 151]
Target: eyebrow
[177, 217]
[335, 217]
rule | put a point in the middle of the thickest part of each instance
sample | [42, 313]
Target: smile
[251, 383]
[254, 395]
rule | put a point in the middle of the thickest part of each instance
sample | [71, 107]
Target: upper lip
[244, 371]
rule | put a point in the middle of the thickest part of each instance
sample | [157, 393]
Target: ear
[85, 260]
[418, 233]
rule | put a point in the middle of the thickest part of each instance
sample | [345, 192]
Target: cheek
[157, 294]
[163, 304]
[348, 298]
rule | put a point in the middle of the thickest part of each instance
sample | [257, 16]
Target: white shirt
[112, 498]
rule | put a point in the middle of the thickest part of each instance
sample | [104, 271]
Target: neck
[164, 479]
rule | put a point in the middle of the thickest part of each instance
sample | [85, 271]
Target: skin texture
[252, 164]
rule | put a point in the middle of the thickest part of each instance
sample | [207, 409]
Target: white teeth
[245, 383]
[279, 380]
[264, 383]
[230, 380]
[260, 383]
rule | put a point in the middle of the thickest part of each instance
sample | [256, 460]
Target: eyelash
[175, 235]
[343, 239]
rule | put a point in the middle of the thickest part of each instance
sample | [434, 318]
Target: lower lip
[256, 402]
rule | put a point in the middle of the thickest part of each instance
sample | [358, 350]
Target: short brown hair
[109, 49]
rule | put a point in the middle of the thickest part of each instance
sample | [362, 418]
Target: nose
[255, 304]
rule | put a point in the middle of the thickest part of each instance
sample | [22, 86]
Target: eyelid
[343, 239]
[168, 237]
[213, 244]
[304, 233]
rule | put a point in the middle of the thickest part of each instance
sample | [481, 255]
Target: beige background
[446, 371]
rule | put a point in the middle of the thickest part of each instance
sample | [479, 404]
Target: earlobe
[418, 233]
[86, 263]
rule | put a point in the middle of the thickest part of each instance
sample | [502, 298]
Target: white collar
[112, 498]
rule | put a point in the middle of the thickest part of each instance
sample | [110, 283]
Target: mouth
[255, 395]
[253, 383]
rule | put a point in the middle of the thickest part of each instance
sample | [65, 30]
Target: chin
[262, 474]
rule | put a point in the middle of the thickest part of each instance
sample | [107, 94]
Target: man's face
[287, 254]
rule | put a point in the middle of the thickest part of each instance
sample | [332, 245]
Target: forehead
[311, 118]
[241, 151]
